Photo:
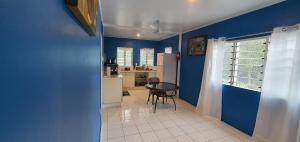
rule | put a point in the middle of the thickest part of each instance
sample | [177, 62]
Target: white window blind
[244, 63]
[168, 50]
[147, 56]
[124, 56]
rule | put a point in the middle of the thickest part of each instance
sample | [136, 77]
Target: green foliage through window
[124, 56]
[244, 63]
[147, 56]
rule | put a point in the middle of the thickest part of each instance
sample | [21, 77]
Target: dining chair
[152, 80]
[170, 94]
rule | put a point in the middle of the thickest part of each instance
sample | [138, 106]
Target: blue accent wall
[49, 74]
[169, 42]
[239, 108]
[239, 105]
[112, 43]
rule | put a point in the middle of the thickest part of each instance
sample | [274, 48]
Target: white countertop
[113, 76]
[133, 71]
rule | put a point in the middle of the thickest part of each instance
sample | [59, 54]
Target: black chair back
[153, 80]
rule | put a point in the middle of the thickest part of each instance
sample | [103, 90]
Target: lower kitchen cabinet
[112, 91]
[129, 78]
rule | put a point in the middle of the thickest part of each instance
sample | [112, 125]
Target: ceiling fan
[156, 27]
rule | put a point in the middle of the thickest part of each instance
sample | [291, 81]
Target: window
[147, 56]
[124, 56]
[244, 63]
[168, 50]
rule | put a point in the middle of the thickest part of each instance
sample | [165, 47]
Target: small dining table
[164, 90]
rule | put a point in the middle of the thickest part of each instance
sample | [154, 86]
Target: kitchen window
[244, 62]
[147, 56]
[124, 56]
[168, 50]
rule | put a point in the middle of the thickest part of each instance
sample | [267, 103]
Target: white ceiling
[126, 18]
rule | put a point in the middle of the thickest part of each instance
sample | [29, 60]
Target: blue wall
[239, 108]
[242, 114]
[49, 74]
[169, 42]
[111, 44]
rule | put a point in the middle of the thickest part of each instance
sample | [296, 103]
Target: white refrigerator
[166, 67]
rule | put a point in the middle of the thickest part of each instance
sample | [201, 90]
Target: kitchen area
[137, 77]
[120, 79]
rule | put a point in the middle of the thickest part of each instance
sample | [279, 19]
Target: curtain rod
[284, 29]
[290, 28]
[250, 35]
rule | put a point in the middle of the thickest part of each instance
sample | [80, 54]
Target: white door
[160, 73]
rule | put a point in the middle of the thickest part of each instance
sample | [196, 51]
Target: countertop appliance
[113, 68]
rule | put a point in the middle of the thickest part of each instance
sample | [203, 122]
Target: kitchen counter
[112, 90]
[136, 78]
[133, 71]
[113, 76]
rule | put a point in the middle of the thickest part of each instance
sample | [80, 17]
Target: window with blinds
[147, 56]
[244, 63]
[124, 56]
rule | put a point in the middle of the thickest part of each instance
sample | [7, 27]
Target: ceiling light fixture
[138, 35]
[191, 1]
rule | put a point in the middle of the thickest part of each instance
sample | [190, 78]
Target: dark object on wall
[111, 61]
[177, 62]
[86, 13]
[177, 56]
[197, 46]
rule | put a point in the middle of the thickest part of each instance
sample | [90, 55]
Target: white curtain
[210, 98]
[279, 108]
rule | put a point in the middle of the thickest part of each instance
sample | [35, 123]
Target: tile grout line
[137, 109]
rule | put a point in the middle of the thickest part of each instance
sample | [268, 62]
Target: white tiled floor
[135, 121]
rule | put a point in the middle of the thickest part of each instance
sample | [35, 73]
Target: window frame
[124, 49]
[168, 48]
[234, 62]
[147, 55]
